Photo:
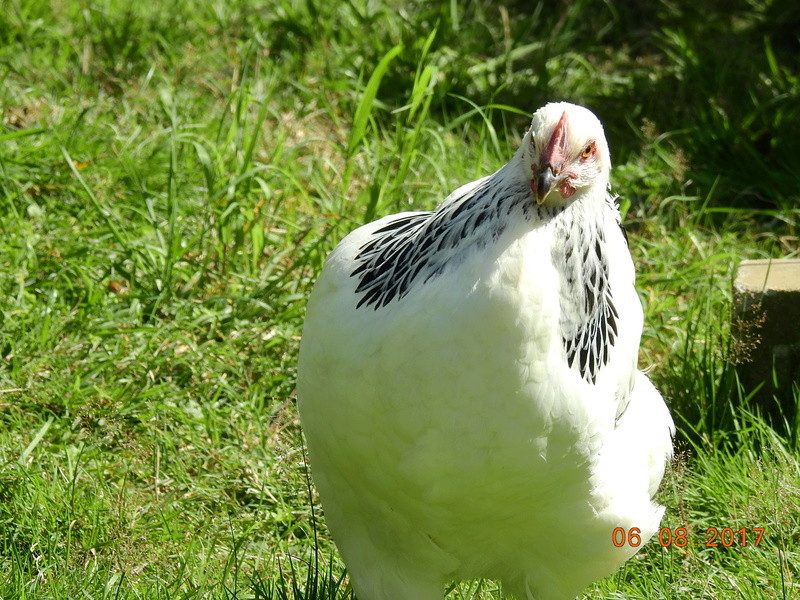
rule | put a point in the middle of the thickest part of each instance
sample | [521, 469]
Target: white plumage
[468, 385]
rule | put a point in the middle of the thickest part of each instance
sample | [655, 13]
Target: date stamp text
[681, 537]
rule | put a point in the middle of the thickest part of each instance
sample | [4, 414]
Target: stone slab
[766, 332]
[769, 275]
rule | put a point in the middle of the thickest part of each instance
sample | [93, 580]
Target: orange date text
[680, 537]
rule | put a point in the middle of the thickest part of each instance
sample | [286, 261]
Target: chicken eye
[588, 151]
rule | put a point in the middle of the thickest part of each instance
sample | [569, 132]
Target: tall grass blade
[364, 109]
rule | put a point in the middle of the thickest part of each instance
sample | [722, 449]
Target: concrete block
[766, 332]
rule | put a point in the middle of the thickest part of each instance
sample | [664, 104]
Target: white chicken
[468, 384]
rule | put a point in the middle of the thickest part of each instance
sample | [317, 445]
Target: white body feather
[449, 437]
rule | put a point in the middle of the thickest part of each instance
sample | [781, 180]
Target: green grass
[172, 176]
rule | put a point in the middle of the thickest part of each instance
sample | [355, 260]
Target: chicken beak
[546, 180]
[549, 174]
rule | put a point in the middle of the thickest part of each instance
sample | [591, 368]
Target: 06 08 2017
[681, 537]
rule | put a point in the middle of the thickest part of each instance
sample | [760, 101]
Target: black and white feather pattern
[588, 313]
[414, 248]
